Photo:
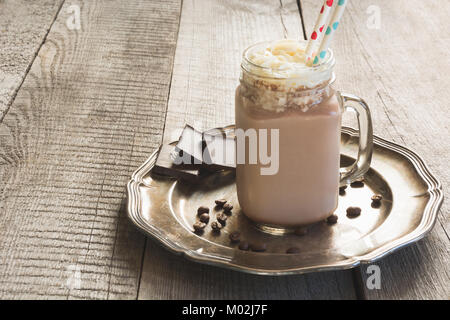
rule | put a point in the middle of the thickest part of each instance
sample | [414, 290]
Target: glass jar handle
[362, 163]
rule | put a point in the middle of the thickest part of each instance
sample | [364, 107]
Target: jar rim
[326, 65]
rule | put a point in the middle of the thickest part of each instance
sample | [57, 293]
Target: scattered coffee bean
[216, 226]
[227, 208]
[222, 218]
[376, 200]
[202, 209]
[199, 226]
[204, 217]
[357, 184]
[353, 212]
[301, 231]
[293, 250]
[244, 245]
[332, 219]
[235, 237]
[258, 247]
[220, 202]
[342, 190]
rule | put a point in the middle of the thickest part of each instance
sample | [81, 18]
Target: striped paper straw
[318, 29]
[331, 30]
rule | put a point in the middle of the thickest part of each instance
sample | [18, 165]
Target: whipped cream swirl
[275, 76]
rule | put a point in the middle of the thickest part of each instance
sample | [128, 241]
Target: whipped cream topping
[275, 77]
[285, 59]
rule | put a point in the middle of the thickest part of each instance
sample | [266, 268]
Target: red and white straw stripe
[330, 31]
[321, 24]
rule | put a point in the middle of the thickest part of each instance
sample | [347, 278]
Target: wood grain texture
[212, 37]
[23, 26]
[90, 110]
[401, 71]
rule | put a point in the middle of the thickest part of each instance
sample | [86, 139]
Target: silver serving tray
[165, 209]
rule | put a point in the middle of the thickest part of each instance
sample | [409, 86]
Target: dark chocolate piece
[220, 151]
[190, 147]
[165, 165]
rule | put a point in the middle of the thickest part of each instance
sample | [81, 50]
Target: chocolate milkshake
[278, 91]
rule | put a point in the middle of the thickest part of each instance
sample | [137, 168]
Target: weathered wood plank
[90, 110]
[167, 276]
[23, 26]
[401, 70]
[212, 37]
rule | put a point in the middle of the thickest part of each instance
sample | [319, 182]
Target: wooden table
[80, 110]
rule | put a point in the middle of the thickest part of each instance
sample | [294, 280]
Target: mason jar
[288, 131]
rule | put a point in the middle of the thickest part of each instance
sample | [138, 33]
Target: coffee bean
[244, 246]
[293, 250]
[301, 231]
[234, 237]
[227, 208]
[342, 190]
[199, 226]
[376, 200]
[332, 219]
[202, 209]
[357, 184]
[258, 247]
[222, 218]
[204, 217]
[220, 202]
[353, 212]
[216, 226]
